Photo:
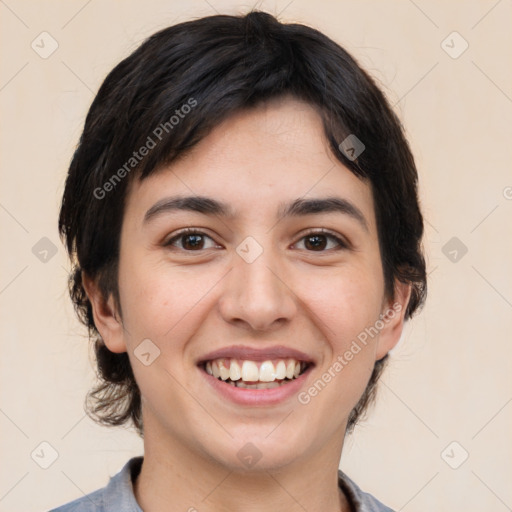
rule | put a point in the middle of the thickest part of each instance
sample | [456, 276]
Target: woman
[243, 216]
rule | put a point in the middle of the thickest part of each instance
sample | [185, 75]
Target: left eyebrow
[296, 208]
[323, 205]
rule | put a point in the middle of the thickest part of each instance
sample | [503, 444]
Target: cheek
[346, 309]
[160, 300]
[347, 302]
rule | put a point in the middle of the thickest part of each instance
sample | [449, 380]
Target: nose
[257, 295]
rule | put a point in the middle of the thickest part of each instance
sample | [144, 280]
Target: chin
[257, 453]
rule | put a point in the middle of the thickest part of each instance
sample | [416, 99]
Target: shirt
[118, 495]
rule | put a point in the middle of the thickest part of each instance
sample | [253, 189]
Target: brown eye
[192, 241]
[318, 241]
[189, 240]
[315, 242]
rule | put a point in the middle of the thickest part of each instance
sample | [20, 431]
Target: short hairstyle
[169, 94]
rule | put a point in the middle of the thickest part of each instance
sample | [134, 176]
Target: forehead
[255, 162]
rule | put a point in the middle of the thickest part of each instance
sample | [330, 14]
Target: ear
[392, 315]
[106, 318]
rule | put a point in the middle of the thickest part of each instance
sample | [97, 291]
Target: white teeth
[267, 372]
[290, 369]
[250, 371]
[281, 370]
[224, 372]
[234, 371]
[215, 370]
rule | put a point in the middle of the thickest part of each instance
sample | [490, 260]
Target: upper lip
[256, 354]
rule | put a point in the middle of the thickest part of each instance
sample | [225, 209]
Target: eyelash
[323, 232]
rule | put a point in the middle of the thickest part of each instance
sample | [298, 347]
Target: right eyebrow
[200, 204]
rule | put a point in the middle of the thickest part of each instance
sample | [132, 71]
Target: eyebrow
[296, 208]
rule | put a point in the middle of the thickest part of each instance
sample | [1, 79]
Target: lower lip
[244, 396]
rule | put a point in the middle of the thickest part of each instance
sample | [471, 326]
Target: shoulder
[93, 502]
[116, 496]
[361, 501]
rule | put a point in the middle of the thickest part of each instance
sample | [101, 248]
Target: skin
[189, 302]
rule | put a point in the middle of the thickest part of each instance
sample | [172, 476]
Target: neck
[172, 474]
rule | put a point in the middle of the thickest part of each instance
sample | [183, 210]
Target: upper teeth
[252, 371]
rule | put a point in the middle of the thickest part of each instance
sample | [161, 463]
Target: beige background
[450, 378]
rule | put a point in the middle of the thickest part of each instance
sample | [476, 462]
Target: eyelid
[342, 242]
[186, 231]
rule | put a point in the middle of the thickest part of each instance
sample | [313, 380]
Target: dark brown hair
[219, 65]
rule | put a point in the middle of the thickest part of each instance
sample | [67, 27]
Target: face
[250, 284]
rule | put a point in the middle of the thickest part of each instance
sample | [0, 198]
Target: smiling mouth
[255, 374]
